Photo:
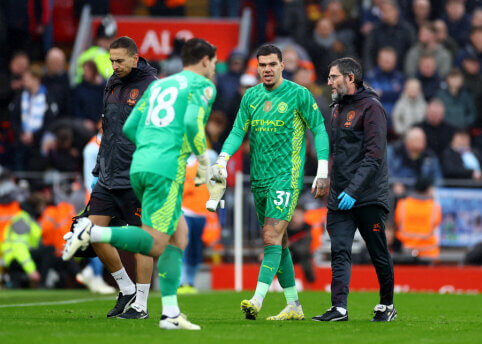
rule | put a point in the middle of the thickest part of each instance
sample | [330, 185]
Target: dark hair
[126, 43]
[194, 51]
[268, 49]
[422, 184]
[348, 65]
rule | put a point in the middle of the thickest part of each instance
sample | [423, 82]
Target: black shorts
[120, 203]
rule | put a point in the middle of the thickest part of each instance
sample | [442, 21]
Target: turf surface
[423, 318]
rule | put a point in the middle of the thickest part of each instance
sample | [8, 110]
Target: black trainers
[133, 313]
[331, 314]
[384, 313]
[123, 301]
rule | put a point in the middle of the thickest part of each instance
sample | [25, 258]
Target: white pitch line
[65, 302]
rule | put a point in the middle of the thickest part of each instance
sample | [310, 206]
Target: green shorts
[161, 200]
[277, 201]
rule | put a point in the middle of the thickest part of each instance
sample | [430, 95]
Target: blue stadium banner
[461, 216]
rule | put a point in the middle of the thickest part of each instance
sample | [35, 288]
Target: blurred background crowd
[422, 57]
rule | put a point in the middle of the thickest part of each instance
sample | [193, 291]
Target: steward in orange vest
[417, 218]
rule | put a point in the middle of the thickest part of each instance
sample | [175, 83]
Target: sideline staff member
[359, 187]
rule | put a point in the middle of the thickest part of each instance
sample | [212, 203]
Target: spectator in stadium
[417, 218]
[473, 83]
[392, 31]
[99, 52]
[56, 81]
[370, 14]
[438, 132]
[31, 111]
[410, 107]
[113, 195]
[276, 169]
[459, 103]
[428, 45]
[443, 38]
[63, 156]
[474, 47]
[12, 84]
[460, 160]
[324, 46]
[88, 96]
[410, 160]
[358, 195]
[346, 27]
[299, 239]
[420, 13]
[386, 80]
[19, 64]
[227, 83]
[428, 76]
[457, 20]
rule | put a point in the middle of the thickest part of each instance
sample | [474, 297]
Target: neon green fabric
[277, 121]
[167, 124]
[22, 234]
[169, 266]
[270, 264]
[132, 239]
[286, 270]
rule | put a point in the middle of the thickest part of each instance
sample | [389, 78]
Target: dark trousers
[341, 225]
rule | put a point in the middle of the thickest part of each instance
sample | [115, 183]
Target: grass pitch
[76, 316]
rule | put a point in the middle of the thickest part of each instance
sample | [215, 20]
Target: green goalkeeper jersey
[167, 124]
[278, 120]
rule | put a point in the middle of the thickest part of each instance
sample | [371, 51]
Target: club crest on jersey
[282, 107]
[267, 105]
[208, 93]
[133, 94]
[349, 118]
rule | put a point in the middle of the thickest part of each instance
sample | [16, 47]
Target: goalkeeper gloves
[218, 170]
[202, 169]
[320, 184]
[216, 192]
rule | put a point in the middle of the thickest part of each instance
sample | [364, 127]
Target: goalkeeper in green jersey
[166, 125]
[277, 112]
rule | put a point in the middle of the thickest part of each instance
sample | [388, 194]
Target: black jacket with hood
[115, 153]
[359, 150]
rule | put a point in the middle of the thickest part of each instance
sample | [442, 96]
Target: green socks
[286, 276]
[130, 238]
[169, 266]
[267, 271]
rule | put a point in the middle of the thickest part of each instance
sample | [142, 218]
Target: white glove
[216, 192]
[218, 171]
[202, 169]
[321, 172]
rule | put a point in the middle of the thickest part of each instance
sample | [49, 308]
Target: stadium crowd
[422, 57]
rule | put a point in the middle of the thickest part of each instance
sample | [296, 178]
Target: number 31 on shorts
[282, 197]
